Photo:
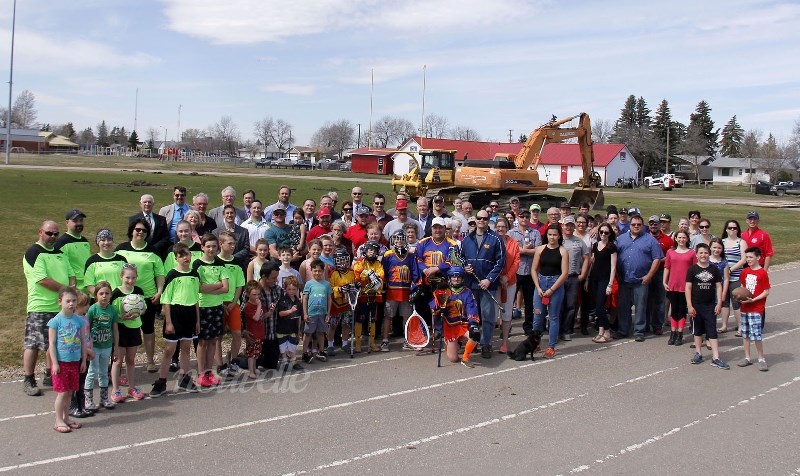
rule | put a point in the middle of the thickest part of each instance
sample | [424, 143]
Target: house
[57, 143]
[29, 139]
[693, 167]
[311, 153]
[738, 171]
[372, 160]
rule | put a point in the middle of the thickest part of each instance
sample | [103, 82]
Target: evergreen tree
[633, 128]
[133, 140]
[522, 139]
[731, 139]
[68, 131]
[87, 137]
[643, 119]
[102, 135]
[701, 119]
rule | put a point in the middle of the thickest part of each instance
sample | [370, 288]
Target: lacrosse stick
[441, 306]
[417, 333]
[457, 259]
[353, 292]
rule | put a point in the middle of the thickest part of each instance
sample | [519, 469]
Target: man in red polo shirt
[755, 236]
[357, 233]
[656, 296]
[324, 226]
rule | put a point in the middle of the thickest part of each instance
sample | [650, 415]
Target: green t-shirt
[37, 264]
[104, 269]
[101, 323]
[235, 278]
[148, 266]
[195, 250]
[181, 288]
[213, 272]
[116, 300]
[77, 250]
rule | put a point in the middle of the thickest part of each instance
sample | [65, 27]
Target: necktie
[149, 219]
[180, 213]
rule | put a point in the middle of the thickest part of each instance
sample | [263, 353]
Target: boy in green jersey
[213, 287]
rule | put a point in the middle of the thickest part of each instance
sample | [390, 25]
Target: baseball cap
[569, 219]
[361, 210]
[665, 217]
[401, 204]
[623, 211]
[753, 214]
[73, 214]
[437, 221]
[653, 219]
[564, 205]
[438, 199]
[524, 212]
[278, 206]
[324, 212]
[634, 211]
[512, 199]
[536, 207]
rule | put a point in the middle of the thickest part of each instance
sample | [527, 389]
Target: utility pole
[180, 106]
[10, 85]
[509, 136]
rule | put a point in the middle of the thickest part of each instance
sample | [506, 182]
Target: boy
[704, 301]
[400, 269]
[756, 280]
[181, 308]
[232, 315]
[458, 312]
[316, 310]
[369, 274]
[67, 351]
[340, 280]
[287, 326]
[213, 287]
[286, 269]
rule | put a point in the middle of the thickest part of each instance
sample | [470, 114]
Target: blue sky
[491, 65]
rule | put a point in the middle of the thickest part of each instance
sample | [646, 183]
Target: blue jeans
[656, 298]
[632, 294]
[552, 311]
[488, 310]
[98, 368]
[569, 309]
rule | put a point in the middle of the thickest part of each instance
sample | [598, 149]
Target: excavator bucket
[593, 196]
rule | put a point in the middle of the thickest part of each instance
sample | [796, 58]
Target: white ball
[134, 304]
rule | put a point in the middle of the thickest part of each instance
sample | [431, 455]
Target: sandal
[738, 334]
[722, 331]
[601, 340]
[62, 429]
[74, 425]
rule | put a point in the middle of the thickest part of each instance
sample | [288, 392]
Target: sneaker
[123, 380]
[118, 397]
[567, 337]
[720, 364]
[331, 351]
[159, 388]
[762, 365]
[203, 381]
[697, 358]
[213, 378]
[406, 346]
[297, 367]
[503, 349]
[89, 401]
[639, 338]
[30, 388]
[308, 358]
[549, 353]
[486, 352]
[322, 357]
[235, 369]
[384, 346]
[468, 364]
[187, 384]
[173, 366]
[135, 393]
[78, 413]
[152, 368]
[744, 362]
[47, 380]
[346, 348]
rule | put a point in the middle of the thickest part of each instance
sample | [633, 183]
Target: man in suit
[242, 251]
[228, 198]
[159, 231]
[175, 211]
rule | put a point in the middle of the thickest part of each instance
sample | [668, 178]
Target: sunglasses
[603, 232]
[704, 227]
[493, 205]
[356, 193]
[178, 195]
[347, 209]
[51, 234]
[481, 218]
[636, 224]
[652, 223]
[378, 203]
[128, 266]
[733, 228]
[279, 212]
[140, 230]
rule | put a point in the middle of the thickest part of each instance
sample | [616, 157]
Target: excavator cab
[431, 169]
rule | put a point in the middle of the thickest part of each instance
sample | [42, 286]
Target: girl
[297, 236]
[549, 271]
[314, 252]
[103, 319]
[718, 260]
[734, 255]
[287, 327]
[255, 326]
[254, 267]
[183, 230]
[129, 337]
[327, 252]
[105, 265]
[78, 407]
[508, 280]
[67, 354]
[603, 268]
[676, 265]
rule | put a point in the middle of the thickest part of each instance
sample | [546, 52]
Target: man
[284, 194]
[638, 258]
[326, 201]
[228, 198]
[241, 252]
[174, 212]
[564, 210]
[247, 198]
[758, 238]
[200, 205]
[515, 208]
[159, 230]
[309, 213]
[325, 218]
[277, 235]
[528, 239]
[46, 271]
[437, 212]
[357, 234]
[535, 224]
[494, 212]
[656, 294]
[335, 197]
[484, 256]
[466, 212]
[75, 246]
[553, 216]
[612, 218]
[379, 216]
[665, 219]
[256, 225]
[583, 209]
[578, 268]
[357, 197]
[422, 213]
[401, 206]
[624, 218]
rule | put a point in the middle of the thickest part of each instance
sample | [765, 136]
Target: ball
[134, 305]
[741, 293]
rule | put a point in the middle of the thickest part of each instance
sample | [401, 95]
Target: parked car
[788, 188]
[763, 187]
[264, 163]
[345, 167]
[302, 164]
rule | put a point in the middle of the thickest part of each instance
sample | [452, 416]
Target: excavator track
[482, 198]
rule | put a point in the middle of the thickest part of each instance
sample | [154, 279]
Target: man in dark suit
[242, 251]
[159, 231]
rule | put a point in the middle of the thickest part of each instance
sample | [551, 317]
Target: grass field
[108, 198]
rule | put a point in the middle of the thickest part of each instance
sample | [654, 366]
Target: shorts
[211, 322]
[728, 301]
[183, 320]
[66, 380]
[287, 344]
[346, 318]
[253, 349]
[391, 308]
[453, 333]
[149, 317]
[315, 324]
[129, 337]
[751, 326]
[705, 321]
[36, 333]
[232, 319]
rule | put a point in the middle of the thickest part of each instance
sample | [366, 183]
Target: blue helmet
[456, 271]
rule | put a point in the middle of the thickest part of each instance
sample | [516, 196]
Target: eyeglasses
[481, 218]
[51, 234]
[128, 266]
[378, 203]
[704, 227]
[347, 209]
[356, 193]
[601, 232]
[140, 230]
[733, 228]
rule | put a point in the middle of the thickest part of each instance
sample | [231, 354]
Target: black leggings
[677, 304]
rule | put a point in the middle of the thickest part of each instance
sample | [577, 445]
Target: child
[183, 230]
[369, 274]
[287, 327]
[677, 263]
[78, 407]
[373, 234]
[340, 280]
[255, 326]
[458, 312]
[213, 287]
[756, 280]
[232, 315]
[103, 321]
[105, 265]
[68, 355]
[328, 246]
[262, 255]
[314, 253]
[297, 236]
[704, 301]
[316, 310]
[181, 319]
[129, 337]
[286, 269]
[400, 269]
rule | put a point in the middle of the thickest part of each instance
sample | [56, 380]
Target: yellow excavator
[507, 175]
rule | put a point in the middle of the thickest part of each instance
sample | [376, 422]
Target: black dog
[527, 346]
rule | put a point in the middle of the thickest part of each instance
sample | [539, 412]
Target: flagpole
[371, 91]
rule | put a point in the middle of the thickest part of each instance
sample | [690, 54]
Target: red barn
[372, 160]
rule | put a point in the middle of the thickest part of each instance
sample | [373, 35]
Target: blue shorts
[315, 324]
[211, 322]
[750, 326]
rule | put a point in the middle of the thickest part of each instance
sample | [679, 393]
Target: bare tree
[152, 136]
[391, 131]
[263, 131]
[751, 144]
[226, 133]
[87, 137]
[196, 140]
[465, 133]
[23, 112]
[338, 135]
[274, 132]
[602, 130]
[694, 146]
[436, 126]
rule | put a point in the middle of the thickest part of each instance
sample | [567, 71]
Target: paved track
[625, 408]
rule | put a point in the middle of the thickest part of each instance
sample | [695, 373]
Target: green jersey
[195, 250]
[40, 263]
[104, 269]
[181, 288]
[116, 300]
[101, 322]
[235, 278]
[77, 250]
[213, 272]
[148, 266]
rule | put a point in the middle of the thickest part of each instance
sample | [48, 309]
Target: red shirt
[357, 234]
[761, 240]
[756, 281]
[665, 242]
[316, 232]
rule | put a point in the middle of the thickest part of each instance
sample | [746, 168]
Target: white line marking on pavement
[784, 284]
[636, 379]
[656, 438]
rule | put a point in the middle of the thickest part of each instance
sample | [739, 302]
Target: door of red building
[563, 174]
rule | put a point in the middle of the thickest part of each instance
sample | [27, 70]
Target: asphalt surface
[623, 408]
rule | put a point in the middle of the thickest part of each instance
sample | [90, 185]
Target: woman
[347, 213]
[549, 271]
[603, 268]
[677, 263]
[508, 280]
[150, 278]
[694, 222]
[105, 265]
[582, 228]
[734, 255]
[410, 230]
[338, 229]
[193, 217]
[705, 236]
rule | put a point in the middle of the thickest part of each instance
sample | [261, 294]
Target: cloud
[294, 89]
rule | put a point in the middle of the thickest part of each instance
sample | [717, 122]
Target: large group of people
[275, 275]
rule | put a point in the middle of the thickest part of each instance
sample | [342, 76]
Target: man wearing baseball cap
[535, 223]
[357, 234]
[74, 245]
[656, 294]
[438, 211]
[755, 236]
[324, 227]
[401, 208]
[665, 219]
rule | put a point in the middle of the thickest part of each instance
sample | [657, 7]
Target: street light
[10, 85]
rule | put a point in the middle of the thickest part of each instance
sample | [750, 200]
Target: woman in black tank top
[549, 271]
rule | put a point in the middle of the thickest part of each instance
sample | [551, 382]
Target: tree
[278, 132]
[694, 146]
[731, 139]
[103, 138]
[665, 130]
[87, 137]
[196, 140]
[601, 131]
[523, 138]
[633, 128]
[436, 126]
[67, 130]
[133, 140]
[774, 157]
[391, 131]
[226, 134]
[465, 133]
[338, 135]
[23, 112]
[751, 143]
[701, 118]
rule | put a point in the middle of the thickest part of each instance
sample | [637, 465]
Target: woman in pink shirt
[676, 265]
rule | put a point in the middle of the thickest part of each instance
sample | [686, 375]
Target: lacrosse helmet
[456, 276]
[341, 258]
[371, 250]
[399, 244]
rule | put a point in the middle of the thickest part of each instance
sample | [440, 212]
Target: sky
[489, 65]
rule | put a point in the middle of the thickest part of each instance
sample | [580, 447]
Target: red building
[372, 160]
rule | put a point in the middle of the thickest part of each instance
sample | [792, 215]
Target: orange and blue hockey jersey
[367, 272]
[457, 313]
[429, 254]
[400, 273]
